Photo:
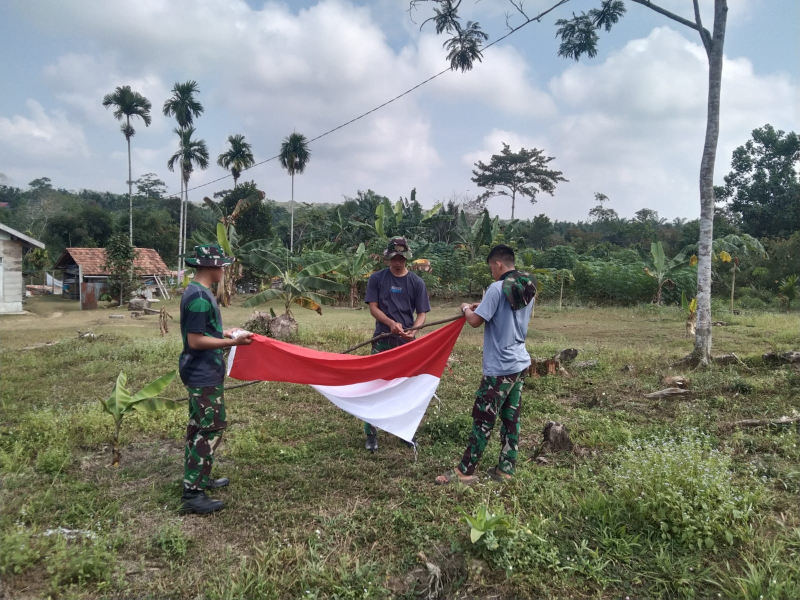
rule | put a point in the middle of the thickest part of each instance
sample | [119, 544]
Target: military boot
[372, 443]
[196, 501]
[217, 483]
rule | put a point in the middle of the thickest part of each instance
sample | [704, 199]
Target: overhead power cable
[529, 20]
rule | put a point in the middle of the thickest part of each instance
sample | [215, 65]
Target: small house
[86, 279]
[13, 246]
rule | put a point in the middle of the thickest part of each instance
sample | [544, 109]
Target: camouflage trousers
[203, 434]
[495, 396]
[377, 347]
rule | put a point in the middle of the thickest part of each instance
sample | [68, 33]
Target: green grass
[310, 514]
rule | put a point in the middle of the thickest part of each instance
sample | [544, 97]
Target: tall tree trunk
[185, 214]
[291, 234]
[130, 186]
[180, 228]
[702, 340]
[513, 201]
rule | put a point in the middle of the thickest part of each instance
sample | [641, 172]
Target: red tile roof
[91, 261]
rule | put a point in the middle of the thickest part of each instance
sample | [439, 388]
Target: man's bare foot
[455, 476]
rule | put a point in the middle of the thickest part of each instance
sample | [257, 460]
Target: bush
[53, 460]
[682, 489]
[17, 551]
[172, 541]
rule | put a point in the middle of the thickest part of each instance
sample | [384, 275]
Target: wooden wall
[12, 288]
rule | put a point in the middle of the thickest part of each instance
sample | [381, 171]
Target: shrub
[172, 541]
[53, 460]
[682, 488]
[80, 563]
[17, 551]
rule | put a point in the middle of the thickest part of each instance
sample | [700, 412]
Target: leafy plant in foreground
[121, 402]
[789, 289]
[681, 489]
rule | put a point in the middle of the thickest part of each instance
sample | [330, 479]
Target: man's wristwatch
[464, 308]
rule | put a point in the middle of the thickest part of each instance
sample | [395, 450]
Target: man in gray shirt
[505, 309]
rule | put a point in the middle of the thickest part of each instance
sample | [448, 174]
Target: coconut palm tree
[190, 154]
[237, 158]
[127, 104]
[294, 157]
[184, 106]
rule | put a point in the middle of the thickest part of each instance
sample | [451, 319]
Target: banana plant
[354, 269]
[789, 287]
[690, 309]
[388, 218]
[730, 249]
[482, 232]
[121, 402]
[296, 287]
[657, 266]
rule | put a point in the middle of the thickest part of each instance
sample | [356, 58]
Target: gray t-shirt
[504, 333]
[398, 297]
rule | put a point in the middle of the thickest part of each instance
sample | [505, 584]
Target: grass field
[657, 502]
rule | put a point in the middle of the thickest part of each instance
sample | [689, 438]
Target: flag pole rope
[356, 347]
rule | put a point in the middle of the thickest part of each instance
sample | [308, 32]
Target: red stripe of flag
[271, 360]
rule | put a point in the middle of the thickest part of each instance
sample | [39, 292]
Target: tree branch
[704, 35]
[673, 16]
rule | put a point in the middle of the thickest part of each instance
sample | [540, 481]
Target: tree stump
[566, 355]
[259, 322]
[556, 438]
[283, 327]
[138, 304]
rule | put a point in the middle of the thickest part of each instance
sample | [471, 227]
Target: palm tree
[127, 104]
[238, 158]
[294, 157]
[185, 108]
[190, 154]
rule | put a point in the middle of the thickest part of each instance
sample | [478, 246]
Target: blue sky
[628, 123]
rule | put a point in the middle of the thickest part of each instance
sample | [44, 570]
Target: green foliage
[120, 256]
[18, 550]
[237, 158]
[657, 266]
[76, 564]
[53, 460]
[510, 173]
[763, 187]
[171, 540]
[789, 289]
[295, 287]
[485, 527]
[121, 402]
[681, 488]
[353, 271]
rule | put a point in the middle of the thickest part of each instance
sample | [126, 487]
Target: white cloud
[633, 126]
[44, 136]
[81, 80]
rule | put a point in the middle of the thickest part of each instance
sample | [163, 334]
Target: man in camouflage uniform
[202, 369]
[394, 295]
[505, 309]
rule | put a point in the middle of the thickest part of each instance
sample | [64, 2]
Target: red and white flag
[390, 390]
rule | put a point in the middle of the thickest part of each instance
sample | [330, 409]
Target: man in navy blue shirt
[394, 295]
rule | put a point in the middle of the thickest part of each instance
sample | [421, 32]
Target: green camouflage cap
[398, 246]
[208, 255]
[519, 288]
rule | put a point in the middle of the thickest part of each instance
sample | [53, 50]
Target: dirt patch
[56, 314]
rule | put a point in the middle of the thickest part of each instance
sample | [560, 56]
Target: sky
[628, 123]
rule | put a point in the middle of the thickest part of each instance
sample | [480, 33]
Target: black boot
[217, 483]
[196, 501]
[372, 443]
